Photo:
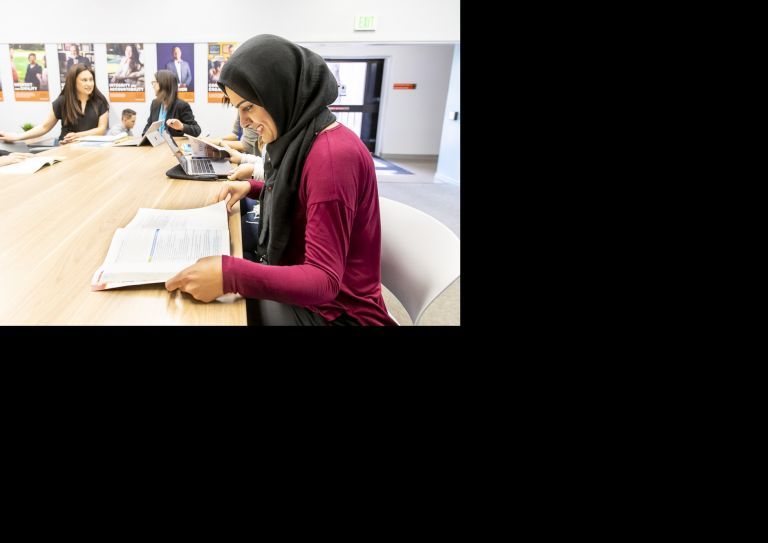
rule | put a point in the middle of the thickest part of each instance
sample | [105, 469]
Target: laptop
[152, 135]
[15, 147]
[192, 165]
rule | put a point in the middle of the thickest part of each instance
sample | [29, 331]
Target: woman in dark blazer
[167, 106]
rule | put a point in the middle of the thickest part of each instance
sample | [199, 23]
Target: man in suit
[180, 68]
[75, 57]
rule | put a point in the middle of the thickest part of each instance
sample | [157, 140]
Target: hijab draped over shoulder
[295, 86]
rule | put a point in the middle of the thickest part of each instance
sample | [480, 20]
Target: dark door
[357, 106]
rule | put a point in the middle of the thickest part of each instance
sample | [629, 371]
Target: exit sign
[365, 22]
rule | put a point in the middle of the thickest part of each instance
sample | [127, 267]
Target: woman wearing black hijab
[319, 245]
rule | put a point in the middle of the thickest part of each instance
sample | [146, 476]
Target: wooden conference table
[56, 226]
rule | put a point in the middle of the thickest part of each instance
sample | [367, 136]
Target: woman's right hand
[9, 137]
[18, 157]
[237, 191]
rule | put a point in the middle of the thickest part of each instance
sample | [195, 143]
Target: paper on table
[31, 165]
[92, 144]
[114, 137]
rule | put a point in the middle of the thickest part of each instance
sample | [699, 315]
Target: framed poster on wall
[218, 55]
[72, 54]
[179, 58]
[29, 69]
[125, 72]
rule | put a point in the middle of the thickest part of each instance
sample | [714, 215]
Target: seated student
[127, 121]
[7, 158]
[81, 108]
[319, 242]
[240, 139]
[168, 107]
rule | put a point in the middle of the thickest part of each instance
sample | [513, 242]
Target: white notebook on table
[30, 165]
[106, 137]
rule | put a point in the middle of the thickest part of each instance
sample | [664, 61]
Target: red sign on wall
[404, 86]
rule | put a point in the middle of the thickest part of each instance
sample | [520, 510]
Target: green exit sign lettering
[365, 22]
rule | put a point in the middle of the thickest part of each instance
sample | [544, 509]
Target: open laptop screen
[174, 148]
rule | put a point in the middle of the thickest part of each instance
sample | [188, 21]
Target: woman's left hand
[203, 279]
[175, 124]
[69, 138]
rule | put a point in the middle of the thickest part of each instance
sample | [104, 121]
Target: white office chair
[419, 256]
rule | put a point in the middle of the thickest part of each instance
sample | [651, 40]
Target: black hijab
[295, 86]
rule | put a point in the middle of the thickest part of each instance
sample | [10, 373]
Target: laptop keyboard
[201, 165]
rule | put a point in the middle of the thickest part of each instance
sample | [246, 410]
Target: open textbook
[31, 165]
[159, 243]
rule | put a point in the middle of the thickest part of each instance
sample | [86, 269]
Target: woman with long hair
[130, 69]
[81, 108]
[168, 107]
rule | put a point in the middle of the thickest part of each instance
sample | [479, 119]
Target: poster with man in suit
[179, 58]
[72, 54]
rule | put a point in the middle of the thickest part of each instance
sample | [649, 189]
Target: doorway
[357, 106]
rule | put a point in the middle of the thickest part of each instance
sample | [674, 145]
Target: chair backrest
[419, 256]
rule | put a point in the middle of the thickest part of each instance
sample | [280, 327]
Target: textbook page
[31, 165]
[159, 243]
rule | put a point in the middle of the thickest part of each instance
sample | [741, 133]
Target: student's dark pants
[268, 312]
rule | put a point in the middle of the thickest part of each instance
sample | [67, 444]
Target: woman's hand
[234, 155]
[203, 279]
[69, 138]
[175, 124]
[243, 171]
[237, 190]
[8, 136]
[18, 157]
[13, 158]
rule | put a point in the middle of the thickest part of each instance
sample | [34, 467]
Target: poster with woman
[218, 55]
[125, 72]
[29, 69]
[179, 58]
[71, 54]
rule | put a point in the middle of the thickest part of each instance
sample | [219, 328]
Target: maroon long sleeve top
[332, 263]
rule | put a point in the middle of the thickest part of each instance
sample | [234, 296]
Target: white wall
[103, 21]
[412, 119]
[448, 165]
